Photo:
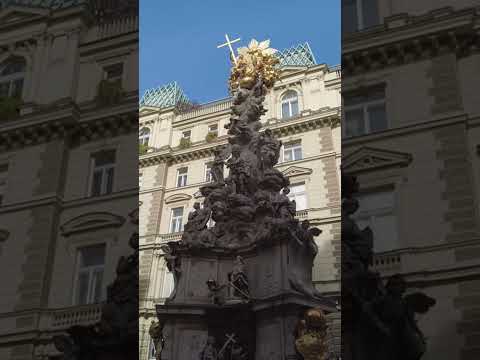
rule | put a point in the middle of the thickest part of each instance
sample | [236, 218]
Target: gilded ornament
[255, 62]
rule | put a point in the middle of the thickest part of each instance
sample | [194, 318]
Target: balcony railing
[117, 27]
[387, 262]
[78, 315]
[302, 214]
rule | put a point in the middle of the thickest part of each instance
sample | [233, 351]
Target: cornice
[405, 39]
[65, 120]
[309, 121]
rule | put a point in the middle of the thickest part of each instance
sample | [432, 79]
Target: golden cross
[229, 44]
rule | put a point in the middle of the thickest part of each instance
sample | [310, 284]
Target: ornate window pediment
[91, 221]
[177, 198]
[369, 159]
[296, 171]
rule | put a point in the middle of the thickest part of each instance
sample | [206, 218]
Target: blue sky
[179, 38]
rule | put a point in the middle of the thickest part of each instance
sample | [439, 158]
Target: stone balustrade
[210, 108]
[117, 27]
[77, 315]
[388, 262]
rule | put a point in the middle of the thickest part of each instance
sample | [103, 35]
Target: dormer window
[290, 104]
[12, 75]
[113, 73]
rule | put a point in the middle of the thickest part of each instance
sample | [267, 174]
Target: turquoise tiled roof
[164, 96]
[299, 55]
[50, 4]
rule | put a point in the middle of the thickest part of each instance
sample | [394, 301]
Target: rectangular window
[152, 351]
[377, 211]
[364, 113]
[208, 172]
[182, 176]
[90, 267]
[113, 72]
[176, 222]
[298, 193]
[3, 181]
[187, 134]
[359, 14]
[292, 151]
[213, 129]
[102, 172]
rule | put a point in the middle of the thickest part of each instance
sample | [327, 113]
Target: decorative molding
[296, 171]
[370, 159]
[177, 198]
[91, 221]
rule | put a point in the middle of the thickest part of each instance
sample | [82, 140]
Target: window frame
[12, 78]
[365, 107]
[360, 15]
[182, 178]
[91, 272]
[4, 168]
[292, 146]
[293, 195]
[118, 78]
[144, 139]
[179, 223]
[370, 216]
[104, 169]
[208, 176]
[215, 131]
[289, 101]
[189, 137]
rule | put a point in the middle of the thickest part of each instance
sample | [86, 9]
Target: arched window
[289, 104]
[12, 74]
[144, 136]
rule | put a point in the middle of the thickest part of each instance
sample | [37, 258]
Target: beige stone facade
[51, 213]
[310, 158]
[411, 135]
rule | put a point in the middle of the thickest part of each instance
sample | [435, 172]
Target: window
[359, 14]
[176, 222]
[102, 174]
[113, 72]
[152, 351]
[377, 211]
[90, 266]
[3, 180]
[12, 74]
[364, 113]
[144, 136]
[297, 193]
[213, 129]
[289, 104]
[208, 172]
[182, 176]
[292, 151]
[187, 134]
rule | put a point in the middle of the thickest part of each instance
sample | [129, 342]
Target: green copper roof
[50, 4]
[164, 96]
[300, 55]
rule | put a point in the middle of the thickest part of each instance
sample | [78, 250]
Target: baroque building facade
[177, 144]
[411, 135]
[68, 115]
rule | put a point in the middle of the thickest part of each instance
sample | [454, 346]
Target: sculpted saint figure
[209, 352]
[239, 279]
[217, 167]
[239, 171]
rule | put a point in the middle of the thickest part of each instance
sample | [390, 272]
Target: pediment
[177, 198]
[91, 221]
[296, 171]
[13, 14]
[3, 235]
[370, 159]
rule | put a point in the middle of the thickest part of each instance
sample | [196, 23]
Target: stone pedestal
[280, 290]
